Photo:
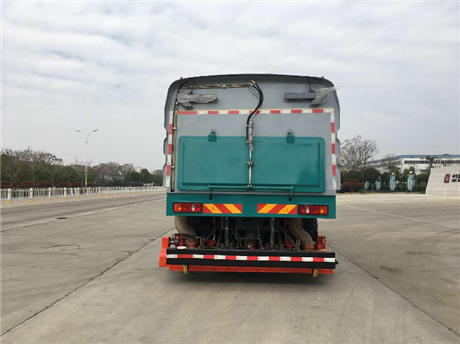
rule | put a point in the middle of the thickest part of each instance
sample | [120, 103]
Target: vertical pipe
[272, 233]
[65, 193]
[49, 194]
[219, 237]
[31, 195]
[226, 229]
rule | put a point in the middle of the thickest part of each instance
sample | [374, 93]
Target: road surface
[22, 213]
[95, 279]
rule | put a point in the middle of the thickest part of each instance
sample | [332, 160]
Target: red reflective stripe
[169, 149]
[168, 170]
[206, 210]
[253, 258]
[260, 206]
[276, 208]
[274, 259]
[187, 112]
[332, 127]
[318, 110]
[333, 148]
[233, 112]
[230, 257]
[275, 111]
[185, 256]
[293, 211]
[317, 259]
[296, 259]
[208, 256]
[334, 170]
[213, 112]
[170, 129]
[296, 111]
[222, 208]
[239, 207]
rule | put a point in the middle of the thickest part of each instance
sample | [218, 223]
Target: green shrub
[351, 186]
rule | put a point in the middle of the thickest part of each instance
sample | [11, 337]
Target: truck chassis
[225, 249]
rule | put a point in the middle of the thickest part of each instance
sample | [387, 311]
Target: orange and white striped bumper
[287, 209]
[213, 208]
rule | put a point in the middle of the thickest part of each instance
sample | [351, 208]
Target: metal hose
[295, 227]
[184, 228]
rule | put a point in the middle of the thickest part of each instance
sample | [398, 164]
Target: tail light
[187, 207]
[313, 209]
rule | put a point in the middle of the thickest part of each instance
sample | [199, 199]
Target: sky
[80, 65]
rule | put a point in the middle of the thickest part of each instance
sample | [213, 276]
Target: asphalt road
[23, 213]
[95, 279]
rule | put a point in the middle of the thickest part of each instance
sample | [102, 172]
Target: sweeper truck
[251, 165]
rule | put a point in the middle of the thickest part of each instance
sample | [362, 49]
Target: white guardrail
[49, 193]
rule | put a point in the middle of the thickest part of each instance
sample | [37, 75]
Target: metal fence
[64, 193]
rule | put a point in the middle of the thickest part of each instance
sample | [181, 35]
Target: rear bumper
[322, 261]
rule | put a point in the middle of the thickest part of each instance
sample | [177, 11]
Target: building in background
[419, 162]
[137, 169]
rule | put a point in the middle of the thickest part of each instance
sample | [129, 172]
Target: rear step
[192, 259]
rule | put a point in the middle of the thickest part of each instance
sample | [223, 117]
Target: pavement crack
[87, 282]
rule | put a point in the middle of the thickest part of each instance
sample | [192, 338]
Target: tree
[28, 164]
[408, 171]
[126, 168]
[157, 178]
[394, 171]
[350, 175]
[108, 173]
[68, 172]
[136, 176]
[11, 163]
[355, 153]
[91, 175]
[33, 159]
[79, 171]
[146, 177]
[128, 178]
[385, 178]
[371, 175]
[423, 178]
[54, 164]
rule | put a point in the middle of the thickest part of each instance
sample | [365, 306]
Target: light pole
[86, 153]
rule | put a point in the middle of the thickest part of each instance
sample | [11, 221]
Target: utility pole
[86, 153]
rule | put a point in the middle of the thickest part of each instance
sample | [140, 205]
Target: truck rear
[250, 167]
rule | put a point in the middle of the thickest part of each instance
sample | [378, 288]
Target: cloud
[108, 65]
